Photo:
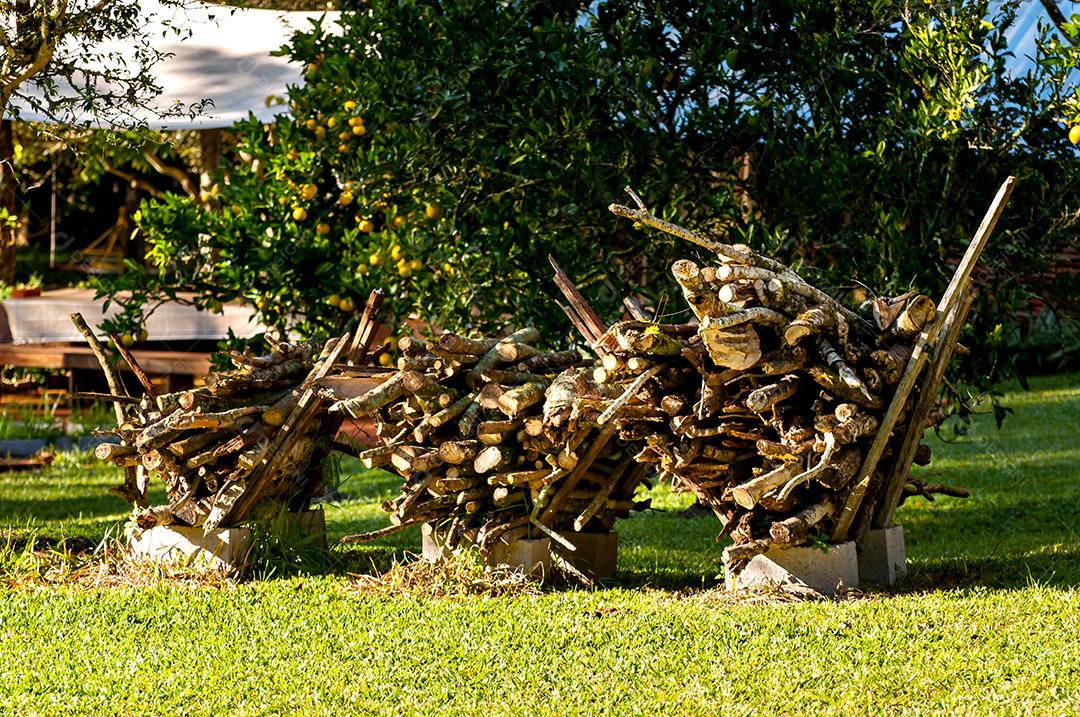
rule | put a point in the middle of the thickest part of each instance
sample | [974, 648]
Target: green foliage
[859, 140]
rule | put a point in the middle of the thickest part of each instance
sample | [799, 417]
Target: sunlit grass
[987, 623]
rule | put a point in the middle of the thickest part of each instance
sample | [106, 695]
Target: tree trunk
[8, 201]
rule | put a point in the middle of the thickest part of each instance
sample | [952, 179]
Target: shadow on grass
[49, 509]
[1054, 568]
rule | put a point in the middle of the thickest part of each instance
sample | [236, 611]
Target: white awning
[223, 56]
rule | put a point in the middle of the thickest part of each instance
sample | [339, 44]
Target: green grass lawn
[988, 621]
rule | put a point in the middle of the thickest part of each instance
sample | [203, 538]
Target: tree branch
[1059, 19]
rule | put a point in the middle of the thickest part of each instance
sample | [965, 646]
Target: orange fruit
[433, 211]
[299, 214]
[1074, 134]
[346, 305]
[359, 130]
[322, 228]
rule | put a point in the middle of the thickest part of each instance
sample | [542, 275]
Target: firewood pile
[493, 443]
[256, 434]
[771, 409]
[768, 405]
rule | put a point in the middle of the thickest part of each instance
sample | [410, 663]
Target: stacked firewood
[490, 443]
[258, 433]
[767, 406]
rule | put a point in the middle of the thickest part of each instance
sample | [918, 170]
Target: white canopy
[223, 56]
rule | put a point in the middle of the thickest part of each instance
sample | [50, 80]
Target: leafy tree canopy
[443, 150]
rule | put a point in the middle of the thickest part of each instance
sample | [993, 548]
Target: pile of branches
[769, 406]
[256, 434]
[491, 445]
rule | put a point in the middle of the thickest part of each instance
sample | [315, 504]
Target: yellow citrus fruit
[345, 199]
[448, 268]
[366, 226]
[333, 299]
[143, 335]
[343, 148]
[433, 211]
[127, 339]
[399, 221]
[282, 201]
[322, 228]
[308, 191]
[1074, 134]
[349, 106]
[299, 214]
[375, 259]
[311, 124]
[353, 121]
[385, 360]
[416, 265]
[346, 305]
[395, 252]
[331, 121]
[362, 269]
[359, 130]
[320, 133]
[344, 135]
[404, 270]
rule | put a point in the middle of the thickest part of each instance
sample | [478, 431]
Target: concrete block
[802, 567]
[224, 549]
[431, 544]
[530, 555]
[596, 556]
[882, 557]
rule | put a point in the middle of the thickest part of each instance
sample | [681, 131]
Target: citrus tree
[443, 151]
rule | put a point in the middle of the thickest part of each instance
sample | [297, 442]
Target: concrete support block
[822, 571]
[596, 556]
[530, 555]
[882, 558]
[224, 549]
[431, 544]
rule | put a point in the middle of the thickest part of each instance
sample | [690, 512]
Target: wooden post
[919, 357]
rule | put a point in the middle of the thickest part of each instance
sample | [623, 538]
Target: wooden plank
[593, 323]
[919, 358]
[890, 500]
